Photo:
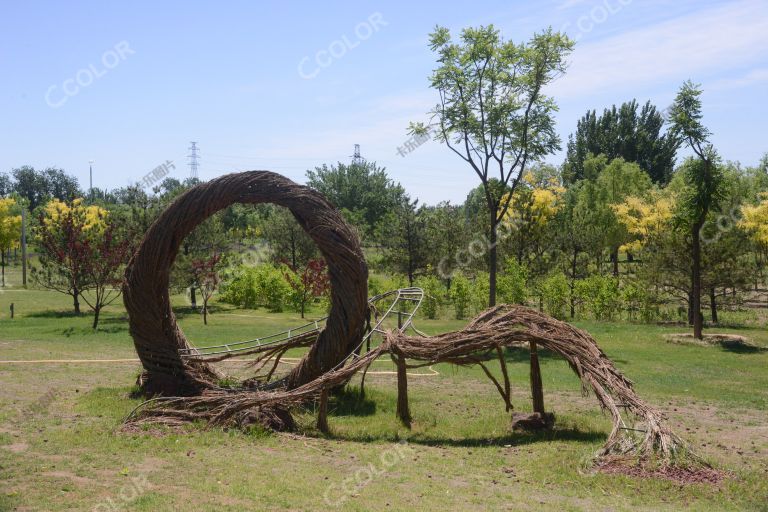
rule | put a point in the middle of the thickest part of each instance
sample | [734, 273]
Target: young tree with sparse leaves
[205, 272]
[492, 111]
[307, 282]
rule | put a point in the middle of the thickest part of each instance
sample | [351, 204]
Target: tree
[618, 180]
[581, 234]
[206, 240]
[361, 190]
[704, 177]
[78, 251]
[530, 218]
[308, 282]
[492, 111]
[755, 223]
[623, 133]
[39, 186]
[6, 186]
[402, 236]
[10, 230]
[106, 253]
[445, 232]
[206, 275]
[287, 240]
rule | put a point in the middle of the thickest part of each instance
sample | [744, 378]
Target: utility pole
[90, 178]
[356, 158]
[193, 157]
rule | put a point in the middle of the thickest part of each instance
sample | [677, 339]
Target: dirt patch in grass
[16, 447]
[680, 475]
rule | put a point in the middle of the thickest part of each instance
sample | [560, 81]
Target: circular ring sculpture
[157, 336]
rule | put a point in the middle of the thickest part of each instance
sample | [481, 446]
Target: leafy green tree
[492, 112]
[363, 191]
[704, 178]
[446, 231]
[616, 181]
[402, 236]
[623, 133]
[205, 241]
[581, 234]
[36, 187]
[6, 185]
[287, 240]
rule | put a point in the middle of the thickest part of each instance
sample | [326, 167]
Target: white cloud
[705, 42]
[755, 76]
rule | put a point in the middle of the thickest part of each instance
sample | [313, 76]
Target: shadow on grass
[87, 331]
[349, 402]
[511, 438]
[55, 314]
[187, 311]
[738, 347]
[523, 355]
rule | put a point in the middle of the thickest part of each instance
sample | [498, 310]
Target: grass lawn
[60, 449]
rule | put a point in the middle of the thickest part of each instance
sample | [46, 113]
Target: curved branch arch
[156, 334]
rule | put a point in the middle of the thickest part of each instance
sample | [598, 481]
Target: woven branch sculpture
[153, 327]
[188, 385]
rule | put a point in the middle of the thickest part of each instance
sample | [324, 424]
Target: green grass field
[60, 448]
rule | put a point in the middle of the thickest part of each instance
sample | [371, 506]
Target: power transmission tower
[193, 157]
[356, 158]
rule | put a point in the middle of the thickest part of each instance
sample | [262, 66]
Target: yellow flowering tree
[91, 219]
[533, 206]
[80, 251]
[645, 218]
[10, 230]
[755, 221]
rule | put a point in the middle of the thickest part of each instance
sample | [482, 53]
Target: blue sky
[289, 85]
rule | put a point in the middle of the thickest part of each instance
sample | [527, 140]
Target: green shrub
[638, 301]
[460, 295]
[259, 286]
[238, 287]
[600, 295]
[272, 289]
[378, 284]
[434, 295]
[555, 294]
[511, 285]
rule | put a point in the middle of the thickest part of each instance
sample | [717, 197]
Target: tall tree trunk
[615, 260]
[713, 304]
[696, 282]
[690, 308]
[2, 265]
[493, 259]
[193, 298]
[205, 312]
